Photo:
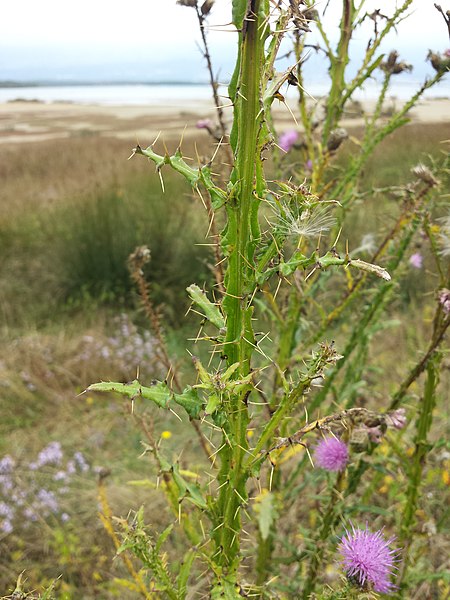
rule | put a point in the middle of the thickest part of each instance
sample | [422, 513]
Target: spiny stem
[329, 518]
[240, 241]
[416, 467]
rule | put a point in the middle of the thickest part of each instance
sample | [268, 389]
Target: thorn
[182, 137]
[161, 180]
[337, 237]
[155, 140]
[174, 413]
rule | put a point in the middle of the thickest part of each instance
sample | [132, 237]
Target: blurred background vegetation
[72, 212]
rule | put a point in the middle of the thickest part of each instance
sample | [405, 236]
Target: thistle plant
[291, 282]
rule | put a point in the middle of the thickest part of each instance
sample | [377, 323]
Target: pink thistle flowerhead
[368, 559]
[204, 124]
[397, 418]
[416, 260]
[444, 300]
[331, 454]
[288, 139]
[375, 434]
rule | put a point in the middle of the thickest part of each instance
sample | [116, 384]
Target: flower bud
[191, 3]
[392, 65]
[206, 7]
[337, 136]
[439, 62]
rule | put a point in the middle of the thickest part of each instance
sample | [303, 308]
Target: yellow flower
[388, 479]
[165, 435]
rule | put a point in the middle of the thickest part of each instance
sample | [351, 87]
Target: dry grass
[49, 192]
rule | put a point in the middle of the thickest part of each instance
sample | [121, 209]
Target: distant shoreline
[8, 84]
[27, 121]
[180, 92]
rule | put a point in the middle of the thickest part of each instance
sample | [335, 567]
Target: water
[178, 94]
[125, 94]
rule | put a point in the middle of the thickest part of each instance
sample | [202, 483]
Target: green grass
[74, 250]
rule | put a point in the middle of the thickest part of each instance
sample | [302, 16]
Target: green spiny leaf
[238, 13]
[266, 512]
[163, 537]
[159, 393]
[190, 401]
[188, 490]
[184, 572]
[225, 590]
[211, 311]
[213, 403]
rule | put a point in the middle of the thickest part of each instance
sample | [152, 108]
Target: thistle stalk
[239, 239]
[422, 447]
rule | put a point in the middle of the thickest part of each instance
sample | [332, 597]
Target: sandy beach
[26, 122]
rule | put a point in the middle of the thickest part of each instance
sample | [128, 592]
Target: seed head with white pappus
[368, 559]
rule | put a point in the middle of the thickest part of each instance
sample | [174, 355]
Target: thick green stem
[239, 241]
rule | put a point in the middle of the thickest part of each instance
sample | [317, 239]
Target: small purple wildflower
[7, 464]
[30, 514]
[331, 454]
[6, 526]
[375, 434]
[6, 511]
[81, 462]
[416, 260]
[6, 484]
[51, 454]
[397, 418]
[288, 139]
[60, 476]
[368, 558]
[204, 124]
[444, 300]
[48, 500]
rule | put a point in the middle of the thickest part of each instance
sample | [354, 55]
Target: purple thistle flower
[416, 260]
[444, 300]
[331, 454]
[288, 139]
[367, 558]
[204, 124]
[397, 418]
[375, 434]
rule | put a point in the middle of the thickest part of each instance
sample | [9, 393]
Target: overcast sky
[155, 39]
